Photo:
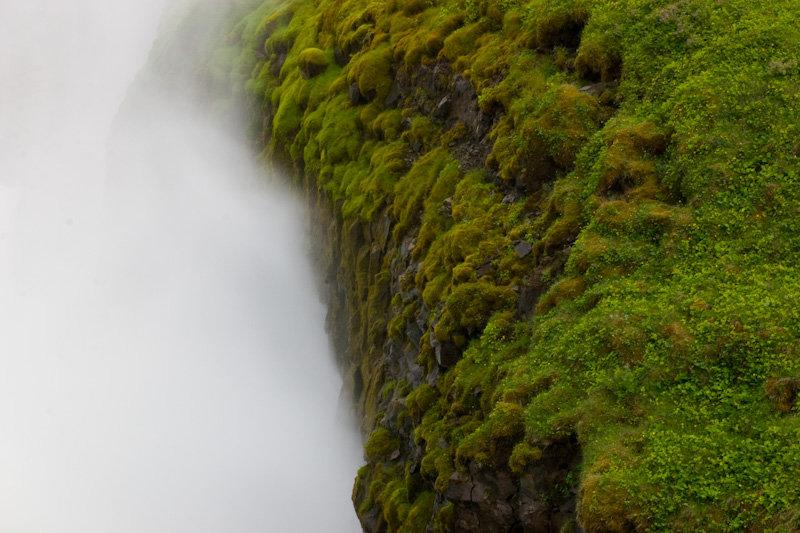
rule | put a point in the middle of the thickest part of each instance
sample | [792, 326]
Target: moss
[560, 23]
[394, 499]
[288, 118]
[464, 273]
[783, 392]
[403, 388]
[506, 420]
[490, 60]
[565, 122]
[386, 392]
[281, 41]
[444, 519]
[387, 125]
[412, 7]
[381, 444]
[522, 455]
[371, 72]
[386, 166]
[443, 467]
[435, 220]
[603, 501]
[340, 135]
[396, 327]
[420, 400]
[462, 41]
[454, 135]
[564, 290]
[422, 130]
[426, 358]
[589, 251]
[628, 167]
[435, 288]
[569, 527]
[421, 511]
[599, 58]
[417, 38]
[312, 62]
[410, 192]
[471, 304]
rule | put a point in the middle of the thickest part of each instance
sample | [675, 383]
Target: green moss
[564, 290]
[569, 527]
[462, 41]
[421, 399]
[396, 327]
[599, 57]
[410, 192]
[435, 221]
[522, 456]
[559, 23]
[387, 390]
[340, 135]
[381, 444]
[454, 135]
[444, 520]
[312, 62]
[288, 118]
[371, 70]
[387, 125]
[412, 7]
[423, 131]
[471, 304]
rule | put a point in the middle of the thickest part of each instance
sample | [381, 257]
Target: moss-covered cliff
[560, 245]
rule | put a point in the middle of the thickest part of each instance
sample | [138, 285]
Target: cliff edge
[559, 246]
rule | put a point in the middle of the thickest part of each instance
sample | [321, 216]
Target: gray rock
[527, 300]
[355, 94]
[442, 109]
[413, 333]
[459, 488]
[485, 269]
[382, 229]
[310, 70]
[467, 521]
[593, 90]
[340, 57]
[535, 517]
[523, 248]
[394, 95]
[447, 354]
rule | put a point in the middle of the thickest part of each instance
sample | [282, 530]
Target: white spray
[163, 365]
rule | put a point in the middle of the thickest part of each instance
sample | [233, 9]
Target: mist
[163, 360]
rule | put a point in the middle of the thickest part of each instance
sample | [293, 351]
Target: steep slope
[559, 241]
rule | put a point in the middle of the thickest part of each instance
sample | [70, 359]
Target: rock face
[540, 500]
[380, 323]
[477, 496]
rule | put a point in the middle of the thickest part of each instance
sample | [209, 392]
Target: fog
[163, 361]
